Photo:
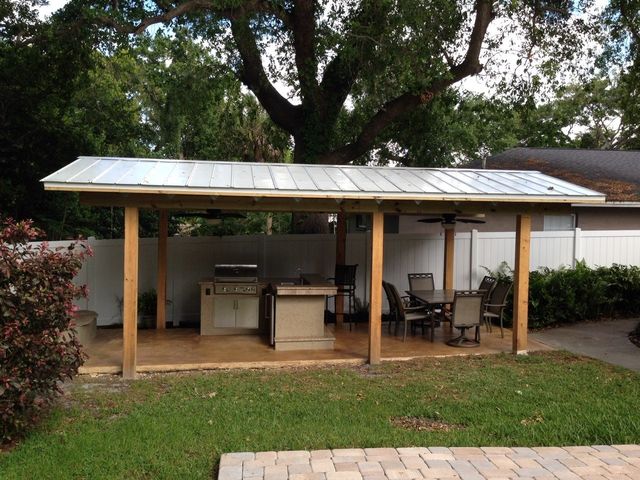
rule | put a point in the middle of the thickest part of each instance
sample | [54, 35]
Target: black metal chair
[421, 281]
[467, 312]
[486, 285]
[345, 279]
[494, 308]
[403, 313]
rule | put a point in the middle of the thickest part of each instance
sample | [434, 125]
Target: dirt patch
[424, 424]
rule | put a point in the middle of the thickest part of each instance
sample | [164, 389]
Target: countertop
[306, 284]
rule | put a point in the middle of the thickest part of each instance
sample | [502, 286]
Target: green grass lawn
[176, 426]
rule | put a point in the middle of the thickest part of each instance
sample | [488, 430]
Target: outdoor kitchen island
[298, 314]
[289, 311]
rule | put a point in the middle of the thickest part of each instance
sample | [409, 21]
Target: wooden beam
[341, 258]
[375, 305]
[449, 249]
[130, 296]
[161, 286]
[320, 205]
[521, 284]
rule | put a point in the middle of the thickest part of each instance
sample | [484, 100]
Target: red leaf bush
[38, 345]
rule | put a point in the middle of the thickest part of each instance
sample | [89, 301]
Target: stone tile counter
[299, 314]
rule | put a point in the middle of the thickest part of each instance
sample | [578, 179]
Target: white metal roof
[186, 177]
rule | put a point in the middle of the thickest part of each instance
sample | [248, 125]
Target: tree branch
[252, 74]
[166, 17]
[407, 102]
[344, 68]
[304, 39]
[189, 6]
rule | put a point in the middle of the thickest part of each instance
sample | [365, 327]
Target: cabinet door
[247, 312]
[224, 312]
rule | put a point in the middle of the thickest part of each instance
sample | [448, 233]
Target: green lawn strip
[176, 426]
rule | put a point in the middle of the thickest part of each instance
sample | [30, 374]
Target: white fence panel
[191, 259]
[604, 248]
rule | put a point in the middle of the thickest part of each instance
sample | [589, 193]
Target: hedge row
[569, 295]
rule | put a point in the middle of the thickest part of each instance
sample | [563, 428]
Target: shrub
[567, 295]
[38, 345]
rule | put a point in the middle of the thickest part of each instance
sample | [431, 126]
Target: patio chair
[403, 313]
[494, 308]
[486, 285]
[345, 279]
[421, 281]
[467, 312]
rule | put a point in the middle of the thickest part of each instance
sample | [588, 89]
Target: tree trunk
[310, 222]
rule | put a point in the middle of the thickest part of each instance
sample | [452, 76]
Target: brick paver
[601, 462]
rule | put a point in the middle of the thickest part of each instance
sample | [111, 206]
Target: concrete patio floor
[607, 341]
[186, 349]
[600, 462]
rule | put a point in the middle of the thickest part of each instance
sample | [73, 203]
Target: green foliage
[38, 346]
[569, 295]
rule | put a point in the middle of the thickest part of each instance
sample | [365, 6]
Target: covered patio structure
[167, 185]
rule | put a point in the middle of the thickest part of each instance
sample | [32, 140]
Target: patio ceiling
[105, 180]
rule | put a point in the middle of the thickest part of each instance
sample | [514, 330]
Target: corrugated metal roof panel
[321, 181]
[201, 175]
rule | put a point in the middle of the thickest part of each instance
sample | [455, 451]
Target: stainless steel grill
[235, 279]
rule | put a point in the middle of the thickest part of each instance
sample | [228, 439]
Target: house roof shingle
[613, 172]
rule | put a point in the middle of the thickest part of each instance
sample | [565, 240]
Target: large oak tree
[355, 68]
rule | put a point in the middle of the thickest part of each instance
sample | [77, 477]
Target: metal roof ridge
[283, 164]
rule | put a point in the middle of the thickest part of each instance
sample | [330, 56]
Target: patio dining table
[433, 298]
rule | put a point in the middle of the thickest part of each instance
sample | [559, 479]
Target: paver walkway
[619, 462]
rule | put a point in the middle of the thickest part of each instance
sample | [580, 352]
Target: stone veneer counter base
[598, 462]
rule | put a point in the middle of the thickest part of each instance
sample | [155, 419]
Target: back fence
[191, 259]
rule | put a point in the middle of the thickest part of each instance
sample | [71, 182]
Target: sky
[51, 7]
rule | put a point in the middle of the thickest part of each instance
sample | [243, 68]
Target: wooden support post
[521, 287]
[449, 248]
[161, 288]
[130, 305]
[341, 257]
[375, 303]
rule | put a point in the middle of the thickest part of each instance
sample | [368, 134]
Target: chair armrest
[495, 304]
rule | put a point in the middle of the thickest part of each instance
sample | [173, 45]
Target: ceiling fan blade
[430, 220]
[470, 220]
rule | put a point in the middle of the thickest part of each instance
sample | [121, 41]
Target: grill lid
[235, 273]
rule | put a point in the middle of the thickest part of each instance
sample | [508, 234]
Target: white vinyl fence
[191, 259]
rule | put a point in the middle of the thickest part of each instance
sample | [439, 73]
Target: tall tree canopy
[372, 61]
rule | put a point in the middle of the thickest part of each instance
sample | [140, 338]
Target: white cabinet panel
[224, 312]
[247, 312]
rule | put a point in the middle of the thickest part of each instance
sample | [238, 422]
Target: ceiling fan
[448, 220]
[212, 216]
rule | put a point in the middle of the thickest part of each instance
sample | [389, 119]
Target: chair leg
[501, 327]
[404, 337]
[433, 329]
